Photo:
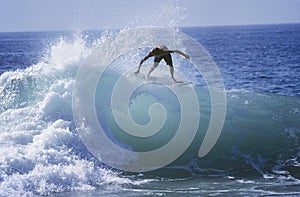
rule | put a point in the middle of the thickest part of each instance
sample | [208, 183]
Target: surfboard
[165, 80]
[183, 83]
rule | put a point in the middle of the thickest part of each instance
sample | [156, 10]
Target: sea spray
[41, 151]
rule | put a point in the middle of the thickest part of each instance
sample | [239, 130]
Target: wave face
[260, 136]
[42, 153]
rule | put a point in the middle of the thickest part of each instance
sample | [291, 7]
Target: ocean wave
[43, 153]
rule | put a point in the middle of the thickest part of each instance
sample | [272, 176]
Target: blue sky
[36, 15]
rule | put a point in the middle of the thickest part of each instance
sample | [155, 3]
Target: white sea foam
[40, 153]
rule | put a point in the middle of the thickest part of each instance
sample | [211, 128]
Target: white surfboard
[163, 79]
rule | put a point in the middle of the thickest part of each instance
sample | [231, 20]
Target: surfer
[161, 52]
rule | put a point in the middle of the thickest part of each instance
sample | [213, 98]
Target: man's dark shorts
[167, 58]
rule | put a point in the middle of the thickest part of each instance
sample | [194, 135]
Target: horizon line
[119, 28]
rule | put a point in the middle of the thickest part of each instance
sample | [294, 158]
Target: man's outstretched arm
[142, 61]
[180, 53]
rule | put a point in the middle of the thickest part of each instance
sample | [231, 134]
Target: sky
[47, 15]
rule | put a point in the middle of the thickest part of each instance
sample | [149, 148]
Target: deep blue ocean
[258, 152]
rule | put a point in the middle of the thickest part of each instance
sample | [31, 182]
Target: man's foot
[177, 81]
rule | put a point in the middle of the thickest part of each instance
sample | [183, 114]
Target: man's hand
[187, 57]
[138, 70]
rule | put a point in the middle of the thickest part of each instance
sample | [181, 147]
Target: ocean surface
[258, 152]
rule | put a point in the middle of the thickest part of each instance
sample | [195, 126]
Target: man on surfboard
[161, 52]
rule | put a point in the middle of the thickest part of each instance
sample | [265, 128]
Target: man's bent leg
[172, 73]
[152, 69]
